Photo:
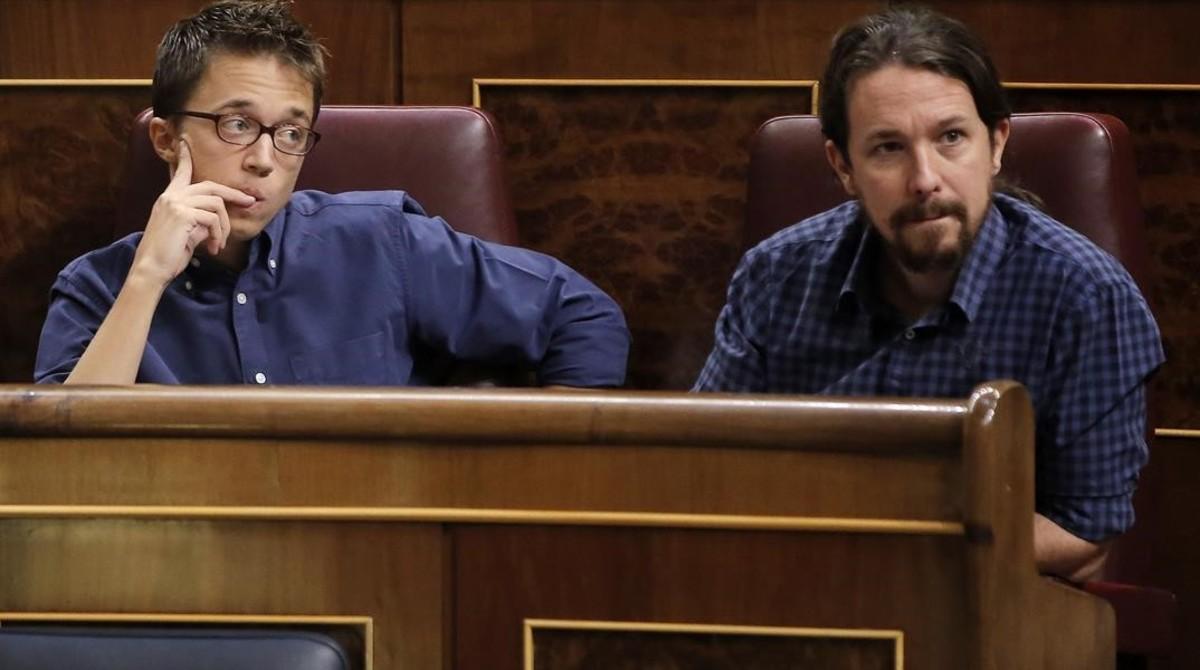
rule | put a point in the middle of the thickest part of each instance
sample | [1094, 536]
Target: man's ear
[840, 166]
[165, 140]
[999, 139]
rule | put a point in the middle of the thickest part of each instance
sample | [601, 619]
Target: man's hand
[184, 216]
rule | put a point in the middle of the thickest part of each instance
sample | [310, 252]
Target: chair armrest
[1145, 616]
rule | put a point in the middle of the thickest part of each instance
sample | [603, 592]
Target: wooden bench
[507, 529]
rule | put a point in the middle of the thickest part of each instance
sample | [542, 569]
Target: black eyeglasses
[288, 138]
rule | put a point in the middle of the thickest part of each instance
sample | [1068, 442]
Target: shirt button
[271, 263]
[195, 262]
[910, 334]
[260, 378]
[188, 284]
[241, 298]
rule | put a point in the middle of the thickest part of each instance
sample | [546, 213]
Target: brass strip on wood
[1185, 433]
[75, 82]
[489, 516]
[150, 617]
[1098, 86]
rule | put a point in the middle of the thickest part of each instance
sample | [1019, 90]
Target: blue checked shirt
[1034, 301]
[354, 288]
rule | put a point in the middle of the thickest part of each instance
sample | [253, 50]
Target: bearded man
[929, 281]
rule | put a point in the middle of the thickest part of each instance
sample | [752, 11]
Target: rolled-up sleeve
[78, 305]
[1092, 437]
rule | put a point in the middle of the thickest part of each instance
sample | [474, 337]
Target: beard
[919, 248]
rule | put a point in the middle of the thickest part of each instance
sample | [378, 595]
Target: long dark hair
[912, 36]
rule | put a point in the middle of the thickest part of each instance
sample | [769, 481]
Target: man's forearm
[1058, 552]
[115, 353]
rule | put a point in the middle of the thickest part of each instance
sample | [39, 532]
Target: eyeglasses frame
[263, 129]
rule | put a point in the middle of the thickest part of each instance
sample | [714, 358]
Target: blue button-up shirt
[1034, 301]
[355, 288]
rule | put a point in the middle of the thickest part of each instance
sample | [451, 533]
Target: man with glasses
[236, 279]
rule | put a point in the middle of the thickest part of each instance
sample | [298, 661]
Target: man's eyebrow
[956, 120]
[240, 104]
[297, 113]
[236, 103]
[883, 134]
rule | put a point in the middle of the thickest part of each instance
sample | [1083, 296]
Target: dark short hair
[915, 37]
[243, 27]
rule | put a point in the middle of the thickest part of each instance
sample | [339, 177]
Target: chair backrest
[100, 648]
[1081, 165]
[448, 158]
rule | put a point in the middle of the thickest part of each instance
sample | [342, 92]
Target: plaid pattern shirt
[1035, 301]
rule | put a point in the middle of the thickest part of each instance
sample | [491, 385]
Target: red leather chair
[1082, 166]
[448, 158]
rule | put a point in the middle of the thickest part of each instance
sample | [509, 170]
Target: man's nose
[260, 156]
[924, 179]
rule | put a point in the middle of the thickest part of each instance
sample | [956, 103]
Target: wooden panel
[506, 575]
[454, 587]
[1174, 539]
[84, 39]
[363, 38]
[116, 39]
[62, 152]
[626, 479]
[446, 44]
[666, 454]
[642, 189]
[389, 572]
[1086, 40]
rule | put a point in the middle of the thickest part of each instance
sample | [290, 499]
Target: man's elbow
[1059, 553]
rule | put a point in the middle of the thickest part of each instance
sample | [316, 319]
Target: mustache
[934, 209]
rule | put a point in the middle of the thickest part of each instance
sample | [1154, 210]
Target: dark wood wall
[61, 149]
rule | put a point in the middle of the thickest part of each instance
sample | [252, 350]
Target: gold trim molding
[82, 83]
[896, 636]
[1098, 86]
[488, 516]
[1177, 433]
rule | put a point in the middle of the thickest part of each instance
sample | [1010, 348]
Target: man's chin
[930, 263]
[244, 229]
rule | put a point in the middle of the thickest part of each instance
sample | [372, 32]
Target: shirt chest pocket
[361, 361]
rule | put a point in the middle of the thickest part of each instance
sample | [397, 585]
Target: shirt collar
[858, 275]
[982, 259]
[981, 262]
[260, 251]
[272, 235]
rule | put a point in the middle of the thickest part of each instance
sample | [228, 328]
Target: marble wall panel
[62, 156]
[579, 649]
[642, 189]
